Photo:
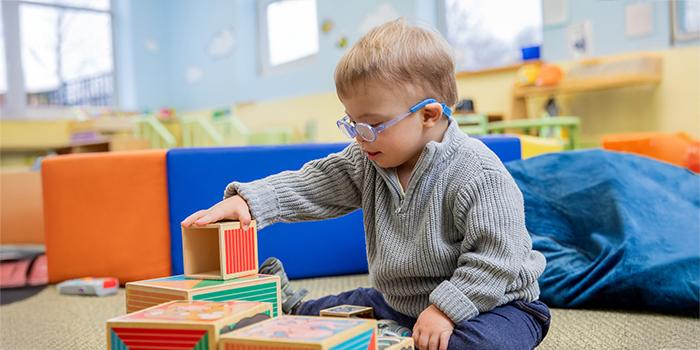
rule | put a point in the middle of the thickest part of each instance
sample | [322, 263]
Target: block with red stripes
[220, 251]
[181, 324]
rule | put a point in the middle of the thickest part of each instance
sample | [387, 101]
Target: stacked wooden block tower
[221, 302]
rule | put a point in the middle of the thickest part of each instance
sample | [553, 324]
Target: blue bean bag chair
[618, 230]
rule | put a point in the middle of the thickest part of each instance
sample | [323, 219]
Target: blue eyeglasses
[369, 133]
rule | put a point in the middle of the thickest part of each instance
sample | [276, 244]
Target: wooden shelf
[100, 144]
[584, 85]
[597, 74]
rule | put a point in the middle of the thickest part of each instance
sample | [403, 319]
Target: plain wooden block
[395, 343]
[147, 293]
[349, 311]
[220, 251]
[303, 332]
[181, 324]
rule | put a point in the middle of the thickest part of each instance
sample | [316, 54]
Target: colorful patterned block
[395, 343]
[182, 324]
[237, 250]
[354, 311]
[304, 332]
[263, 288]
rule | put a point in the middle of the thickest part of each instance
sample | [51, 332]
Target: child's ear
[432, 113]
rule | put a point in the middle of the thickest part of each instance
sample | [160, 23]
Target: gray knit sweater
[456, 238]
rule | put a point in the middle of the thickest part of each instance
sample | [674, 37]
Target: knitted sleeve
[322, 188]
[489, 212]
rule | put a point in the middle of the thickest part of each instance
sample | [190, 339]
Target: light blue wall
[183, 29]
[142, 76]
[608, 29]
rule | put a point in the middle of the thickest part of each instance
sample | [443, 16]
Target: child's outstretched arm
[322, 188]
[233, 208]
[489, 212]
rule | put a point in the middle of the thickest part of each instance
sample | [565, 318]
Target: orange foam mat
[21, 212]
[668, 147]
[106, 214]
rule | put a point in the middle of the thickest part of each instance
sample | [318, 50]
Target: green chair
[198, 131]
[547, 127]
[148, 127]
[222, 128]
[472, 124]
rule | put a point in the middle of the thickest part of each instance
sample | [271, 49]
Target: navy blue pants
[516, 325]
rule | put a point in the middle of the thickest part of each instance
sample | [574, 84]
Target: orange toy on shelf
[549, 75]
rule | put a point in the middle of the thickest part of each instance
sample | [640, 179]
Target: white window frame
[16, 95]
[264, 45]
[441, 25]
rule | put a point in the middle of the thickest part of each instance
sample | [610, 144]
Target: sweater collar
[433, 151]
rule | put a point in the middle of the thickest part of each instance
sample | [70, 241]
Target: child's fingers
[434, 341]
[244, 218]
[192, 218]
[420, 339]
[211, 216]
[444, 340]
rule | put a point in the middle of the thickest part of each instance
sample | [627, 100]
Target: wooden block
[349, 311]
[303, 332]
[263, 288]
[395, 343]
[182, 324]
[220, 251]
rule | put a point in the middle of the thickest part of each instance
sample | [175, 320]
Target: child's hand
[234, 208]
[432, 329]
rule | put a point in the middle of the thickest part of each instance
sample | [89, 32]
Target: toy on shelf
[304, 332]
[527, 74]
[263, 288]
[349, 311]
[166, 113]
[220, 251]
[89, 286]
[549, 75]
[182, 324]
[591, 75]
[395, 343]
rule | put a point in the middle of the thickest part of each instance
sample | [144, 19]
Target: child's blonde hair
[399, 53]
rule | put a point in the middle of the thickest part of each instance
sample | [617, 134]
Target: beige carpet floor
[52, 321]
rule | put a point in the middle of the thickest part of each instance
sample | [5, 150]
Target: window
[86, 4]
[685, 20]
[66, 52]
[487, 34]
[288, 31]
